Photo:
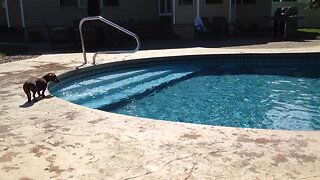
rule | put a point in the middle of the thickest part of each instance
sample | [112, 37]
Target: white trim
[230, 9]
[22, 14]
[173, 11]
[198, 8]
[7, 13]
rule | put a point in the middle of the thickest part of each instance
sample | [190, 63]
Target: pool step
[98, 79]
[84, 93]
[136, 88]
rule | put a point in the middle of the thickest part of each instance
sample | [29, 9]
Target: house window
[185, 2]
[111, 3]
[249, 1]
[165, 7]
[238, 1]
[68, 3]
[214, 1]
[83, 3]
[79, 3]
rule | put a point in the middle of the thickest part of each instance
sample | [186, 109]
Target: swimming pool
[252, 91]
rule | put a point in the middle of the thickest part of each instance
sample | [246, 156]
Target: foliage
[313, 4]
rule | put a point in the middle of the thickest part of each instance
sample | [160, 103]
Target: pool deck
[56, 139]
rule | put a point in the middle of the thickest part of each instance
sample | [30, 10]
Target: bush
[12, 48]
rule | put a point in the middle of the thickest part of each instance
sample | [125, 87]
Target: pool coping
[56, 139]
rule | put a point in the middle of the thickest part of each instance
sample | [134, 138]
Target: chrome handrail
[93, 18]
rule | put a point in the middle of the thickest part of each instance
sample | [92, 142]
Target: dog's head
[51, 77]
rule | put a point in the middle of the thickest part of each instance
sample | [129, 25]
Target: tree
[313, 4]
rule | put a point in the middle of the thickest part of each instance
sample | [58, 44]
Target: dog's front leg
[34, 97]
[43, 93]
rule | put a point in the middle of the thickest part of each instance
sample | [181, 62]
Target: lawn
[311, 31]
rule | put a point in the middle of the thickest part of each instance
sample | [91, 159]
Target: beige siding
[38, 11]
[14, 13]
[258, 13]
[214, 10]
[254, 11]
[3, 16]
[261, 10]
[311, 17]
[186, 14]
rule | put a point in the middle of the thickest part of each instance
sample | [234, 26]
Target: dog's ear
[54, 77]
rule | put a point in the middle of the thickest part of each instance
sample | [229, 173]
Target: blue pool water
[226, 95]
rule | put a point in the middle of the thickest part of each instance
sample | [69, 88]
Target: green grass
[310, 32]
[307, 30]
[2, 54]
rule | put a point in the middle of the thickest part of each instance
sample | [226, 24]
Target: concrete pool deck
[56, 139]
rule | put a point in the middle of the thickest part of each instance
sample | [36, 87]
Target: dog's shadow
[29, 104]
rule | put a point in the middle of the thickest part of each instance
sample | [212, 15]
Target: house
[238, 13]
[180, 14]
[3, 20]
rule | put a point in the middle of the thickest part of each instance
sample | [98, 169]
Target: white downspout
[230, 11]
[173, 12]
[198, 8]
[22, 14]
[7, 13]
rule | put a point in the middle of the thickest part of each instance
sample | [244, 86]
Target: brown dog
[38, 84]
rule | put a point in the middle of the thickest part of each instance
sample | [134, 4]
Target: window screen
[214, 1]
[111, 3]
[185, 2]
[68, 3]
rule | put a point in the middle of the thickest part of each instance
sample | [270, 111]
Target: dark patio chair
[201, 27]
[59, 35]
[92, 32]
[219, 27]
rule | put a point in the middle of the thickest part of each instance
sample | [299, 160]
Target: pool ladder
[94, 18]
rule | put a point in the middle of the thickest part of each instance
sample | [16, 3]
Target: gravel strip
[6, 59]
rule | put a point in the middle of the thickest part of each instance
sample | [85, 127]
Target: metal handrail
[93, 18]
